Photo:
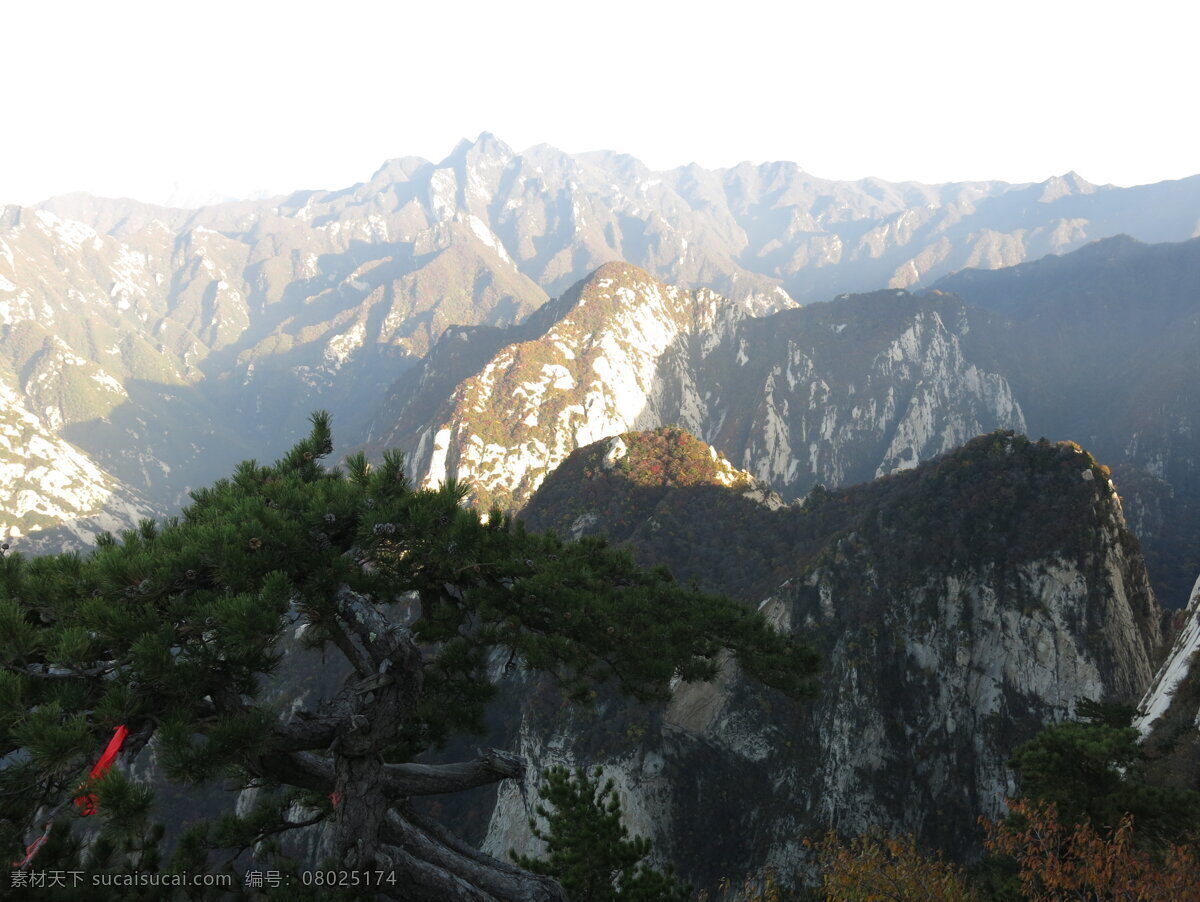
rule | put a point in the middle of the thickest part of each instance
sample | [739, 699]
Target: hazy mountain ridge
[140, 329]
[1099, 344]
[1114, 300]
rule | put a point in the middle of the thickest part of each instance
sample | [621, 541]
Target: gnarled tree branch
[486, 877]
[296, 769]
[425, 882]
[431, 779]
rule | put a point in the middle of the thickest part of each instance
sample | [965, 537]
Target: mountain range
[167, 344]
[813, 396]
[1094, 344]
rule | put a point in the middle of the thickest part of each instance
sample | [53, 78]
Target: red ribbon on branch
[32, 848]
[86, 803]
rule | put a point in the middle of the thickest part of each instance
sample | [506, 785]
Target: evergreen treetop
[170, 629]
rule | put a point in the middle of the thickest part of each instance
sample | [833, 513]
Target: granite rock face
[960, 607]
[833, 393]
[1169, 713]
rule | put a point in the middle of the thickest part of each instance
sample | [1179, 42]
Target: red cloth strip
[32, 849]
[87, 803]
[110, 753]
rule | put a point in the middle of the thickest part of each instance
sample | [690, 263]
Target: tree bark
[379, 706]
[431, 779]
[370, 832]
[484, 874]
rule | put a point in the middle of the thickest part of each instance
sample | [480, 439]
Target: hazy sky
[127, 98]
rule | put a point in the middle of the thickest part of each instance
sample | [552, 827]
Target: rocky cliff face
[959, 606]
[843, 392]
[610, 356]
[829, 393]
[54, 493]
[1169, 714]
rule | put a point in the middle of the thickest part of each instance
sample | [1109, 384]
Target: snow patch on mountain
[69, 232]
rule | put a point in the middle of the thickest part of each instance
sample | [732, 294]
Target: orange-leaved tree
[875, 868]
[1064, 862]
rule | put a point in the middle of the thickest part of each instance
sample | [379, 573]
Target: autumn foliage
[1062, 862]
[876, 868]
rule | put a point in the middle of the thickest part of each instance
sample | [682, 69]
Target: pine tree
[1093, 770]
[588, 849]
[170, 629]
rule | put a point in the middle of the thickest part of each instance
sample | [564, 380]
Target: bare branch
[383, 640]
[425, 882]
[488, 877]
[345, 644]
[461, 846]
[431, 779]
[295, 769]
[310, 731]
[307, 735]
[285, 825]
[137, 741]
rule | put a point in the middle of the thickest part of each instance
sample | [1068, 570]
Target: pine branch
[286, 825]
[346, 646]
[384, 641]
[318, 730]
[45, 671]
[308, 735]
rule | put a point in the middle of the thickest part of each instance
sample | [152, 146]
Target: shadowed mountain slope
[959, 607]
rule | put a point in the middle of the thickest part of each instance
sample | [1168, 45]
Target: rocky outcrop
[51, 494]
[832, 393]
[1100, 346]
[609, 356]
[959, 606]
[1168, 717]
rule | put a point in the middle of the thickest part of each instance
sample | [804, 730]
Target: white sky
[127, 98]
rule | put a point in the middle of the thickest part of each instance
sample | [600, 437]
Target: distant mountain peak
[612, 286]
[486, 147]
[487, 141]
[398, 169]
[1070, 183]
